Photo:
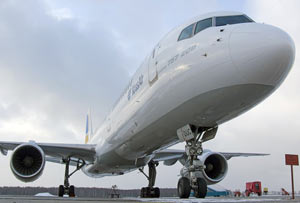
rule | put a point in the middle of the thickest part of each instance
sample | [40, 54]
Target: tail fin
[89, 127]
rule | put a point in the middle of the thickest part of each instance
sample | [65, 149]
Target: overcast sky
[60, 57]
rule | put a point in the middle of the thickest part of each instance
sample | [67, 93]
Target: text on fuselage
[135, 87]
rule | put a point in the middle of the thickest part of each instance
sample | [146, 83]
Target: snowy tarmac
[28, 199]
[269, 199]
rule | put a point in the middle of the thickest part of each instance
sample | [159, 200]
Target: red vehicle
[253, 187]
[237, 193]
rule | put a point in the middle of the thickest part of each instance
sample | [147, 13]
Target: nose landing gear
[184, 187]
[192, 171]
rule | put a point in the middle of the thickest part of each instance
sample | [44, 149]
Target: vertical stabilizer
[89, 127]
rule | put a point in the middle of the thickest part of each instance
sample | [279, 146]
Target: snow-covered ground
[44, 194]
[269, 199]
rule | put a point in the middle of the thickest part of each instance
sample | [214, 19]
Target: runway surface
[26, 199]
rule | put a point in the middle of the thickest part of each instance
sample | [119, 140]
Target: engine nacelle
[216, 167]
[27, 162]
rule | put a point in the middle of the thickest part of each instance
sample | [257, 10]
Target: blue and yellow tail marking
[87, 130]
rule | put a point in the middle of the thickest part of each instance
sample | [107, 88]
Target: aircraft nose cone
[263, 54]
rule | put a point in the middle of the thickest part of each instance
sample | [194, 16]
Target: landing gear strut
[150, 191]
[192, 171]
[66, 188]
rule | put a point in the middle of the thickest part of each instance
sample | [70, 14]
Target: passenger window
[186, 33]
[203, 24]
[229, 20]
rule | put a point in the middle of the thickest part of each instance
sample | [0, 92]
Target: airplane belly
[110, 164]
[208, 109]
[206, 94]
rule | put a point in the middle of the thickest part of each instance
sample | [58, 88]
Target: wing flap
[82, 151]
[73, 161]
[229, 155]
[170, 156]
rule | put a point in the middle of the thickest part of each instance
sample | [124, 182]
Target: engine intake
[215, 167]
[27, 162]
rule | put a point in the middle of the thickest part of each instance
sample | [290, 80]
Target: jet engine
[27, 162]
[215, 167]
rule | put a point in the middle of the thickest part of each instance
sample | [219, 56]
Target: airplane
[202, 74]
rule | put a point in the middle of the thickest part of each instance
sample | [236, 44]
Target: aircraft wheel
[61, 191]
[201, 190]
[156, 192]
[72, 191]
[143, 192]
[183, 187]
[247, 193]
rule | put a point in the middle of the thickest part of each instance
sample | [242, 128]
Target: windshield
[229, 20]
[203, 24]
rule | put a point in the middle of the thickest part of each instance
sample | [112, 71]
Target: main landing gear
[150, 191]
[66, 188]
[192, 171]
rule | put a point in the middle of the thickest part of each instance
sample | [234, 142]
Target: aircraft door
[152, 66]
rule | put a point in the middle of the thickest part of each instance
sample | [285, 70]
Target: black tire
[61, 191]
[143, 192]
[156, 192]
[148, 192]
[247, 193]
[183, 188]
[201, 190]
[72, 191]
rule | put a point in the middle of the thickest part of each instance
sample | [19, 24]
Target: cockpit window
[229, 20]
[203, 24]
[186, 33]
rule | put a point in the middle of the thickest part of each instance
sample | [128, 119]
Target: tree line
[82, 191]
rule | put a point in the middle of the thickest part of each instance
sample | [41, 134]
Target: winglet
[89, 127]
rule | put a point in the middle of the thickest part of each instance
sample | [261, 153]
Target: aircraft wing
[229, 155]
[170, 156]
[55, 152]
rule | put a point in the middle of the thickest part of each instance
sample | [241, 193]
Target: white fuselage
[205, 80]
